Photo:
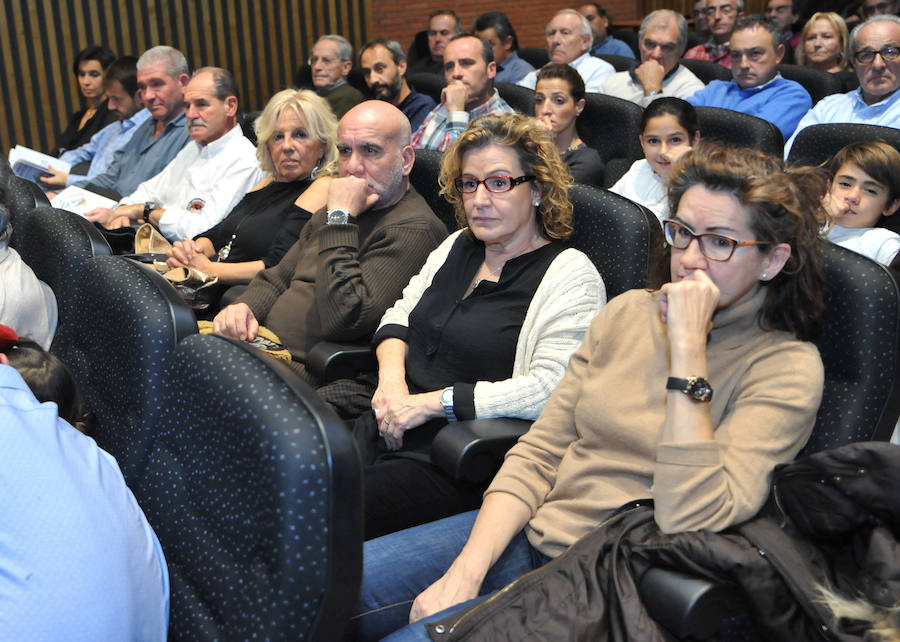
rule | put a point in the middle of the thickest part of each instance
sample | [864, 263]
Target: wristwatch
[149, 206]
[697, 388]
[447, 403]
[337, 217]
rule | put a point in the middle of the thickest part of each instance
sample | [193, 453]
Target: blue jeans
[399, 566]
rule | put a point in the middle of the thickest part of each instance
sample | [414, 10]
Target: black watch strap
[697, 388]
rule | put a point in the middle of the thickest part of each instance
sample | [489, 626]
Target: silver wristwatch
[337, 217]
[447, 403]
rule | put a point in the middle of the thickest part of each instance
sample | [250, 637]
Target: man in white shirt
[662, 39]
[569, 40]
[207, 178]
[875, 54]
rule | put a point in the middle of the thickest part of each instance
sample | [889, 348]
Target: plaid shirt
[442, 127]
[712, 52]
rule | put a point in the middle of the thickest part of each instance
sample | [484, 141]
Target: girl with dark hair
[88, 67]
[558, 101]
[669, 128]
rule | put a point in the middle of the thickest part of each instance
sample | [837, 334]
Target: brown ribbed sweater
[337, 280]
[596, 444]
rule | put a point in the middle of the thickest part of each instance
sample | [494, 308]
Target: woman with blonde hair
[824, 45]
[296, 135]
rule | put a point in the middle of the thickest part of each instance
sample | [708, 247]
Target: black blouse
[585, 165]
[456, 341]
[73, 137]
[265, 224]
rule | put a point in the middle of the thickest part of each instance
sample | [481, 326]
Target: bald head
[373, 144]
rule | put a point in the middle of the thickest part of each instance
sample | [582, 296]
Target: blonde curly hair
[537, 154]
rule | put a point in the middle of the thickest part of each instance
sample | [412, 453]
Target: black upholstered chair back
[816, 144]
[247, 122]
[860, 347]
[22, 197]
[740, 130]
[537, 57]
[816, 82]
[619, 63]
[621, 238]
[118, 345]
[56, 244]
[612, 126]
[424, 178]
[254, 489]
[428, 84]
[706, 70]
[519, 98]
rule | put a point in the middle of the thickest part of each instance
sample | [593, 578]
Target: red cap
[8, 338]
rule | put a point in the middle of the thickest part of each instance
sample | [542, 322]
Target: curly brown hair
[783, 209]
[537, 154]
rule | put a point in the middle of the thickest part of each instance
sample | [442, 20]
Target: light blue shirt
[144, 156]
[102, 146]
[780, 101]
[513, 69]
[78, 560]
[850, 108]
[593, 72]
[613, 46]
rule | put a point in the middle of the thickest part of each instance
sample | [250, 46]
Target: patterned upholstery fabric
[621, 238]
[519, 98]
[818, 143]
[255, 491]
[706, 70]
[612, 127]
[424, 178]
[127, 322]
[860, 347]
[56, 244]
[740, 130]
[22, 197]
[815, 81]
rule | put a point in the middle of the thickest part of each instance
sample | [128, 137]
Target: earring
[536, 203]
[764, 276]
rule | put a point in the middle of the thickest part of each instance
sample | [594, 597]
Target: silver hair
[174, 61]
[663, 17]
[854, 35]
[344, 48]
[585, 25]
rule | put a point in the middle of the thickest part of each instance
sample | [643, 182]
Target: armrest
[688, 607]
[473, 450]
[328, 361]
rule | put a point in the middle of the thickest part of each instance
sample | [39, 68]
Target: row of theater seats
[254, 488]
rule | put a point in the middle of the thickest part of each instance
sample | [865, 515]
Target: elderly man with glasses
[875, 52]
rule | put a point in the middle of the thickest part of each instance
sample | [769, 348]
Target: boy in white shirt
[865, 185]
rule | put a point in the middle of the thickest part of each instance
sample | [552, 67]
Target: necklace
[532, 245]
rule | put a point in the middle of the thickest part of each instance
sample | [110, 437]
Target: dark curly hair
[783, 209]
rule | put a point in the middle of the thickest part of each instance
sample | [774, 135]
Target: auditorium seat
[612, 126]
[254, 489]
[56, 244]
[737, 129]
[519, 98]
[619, 63]
[706, 71]
[817, 82]
[127, 321]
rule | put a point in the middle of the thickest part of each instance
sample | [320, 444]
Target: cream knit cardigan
[567, 299]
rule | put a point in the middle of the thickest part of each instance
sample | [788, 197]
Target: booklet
[27, 163]
[79, 200]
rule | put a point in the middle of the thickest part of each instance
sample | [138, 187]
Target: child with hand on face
[864, 187]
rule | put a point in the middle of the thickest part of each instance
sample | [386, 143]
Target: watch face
[700, 389]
